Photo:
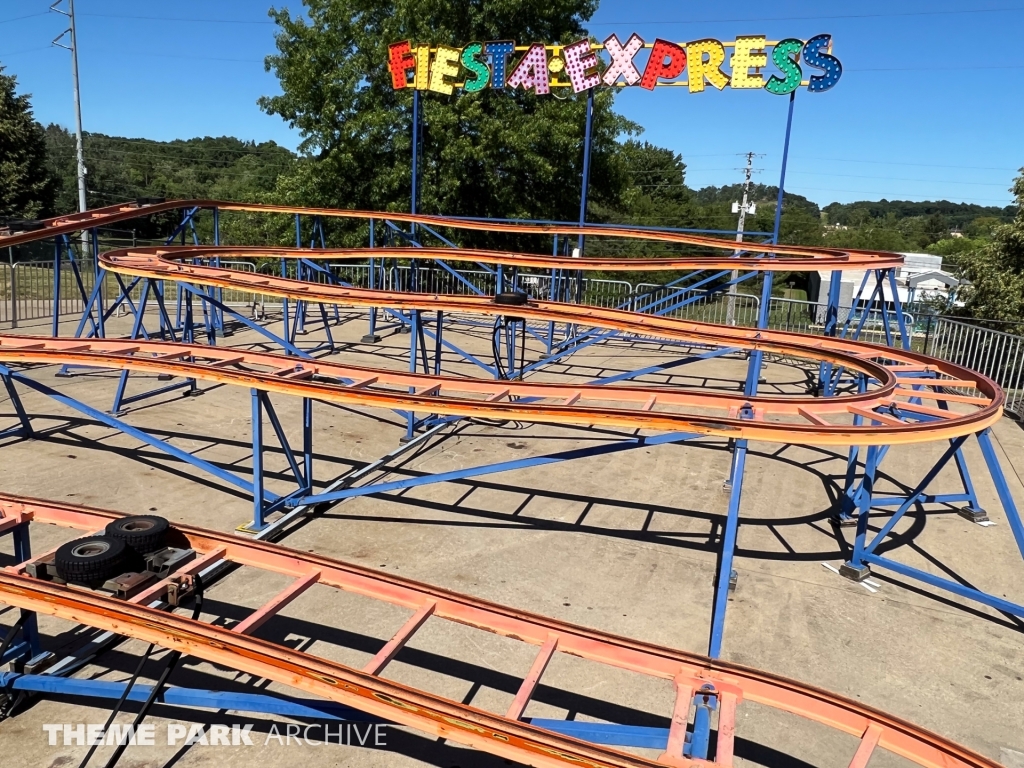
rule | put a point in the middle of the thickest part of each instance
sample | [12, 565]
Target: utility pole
[72, 32]
[743, 209]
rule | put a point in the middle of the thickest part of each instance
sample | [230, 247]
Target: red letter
[400, 61]
[667, 60]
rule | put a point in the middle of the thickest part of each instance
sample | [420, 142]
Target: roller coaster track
[888, 409]
[786, 257]
[902, 379]
[774, 418]
[365, 689]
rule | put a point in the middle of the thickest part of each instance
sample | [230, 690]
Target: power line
[916, 165]
[19, 18]
[898, 178]
[817, 18]
[937, 69]
[176, 18]
[27, 50]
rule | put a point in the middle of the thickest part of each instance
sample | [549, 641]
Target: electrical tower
[742, 209]
[72, 34]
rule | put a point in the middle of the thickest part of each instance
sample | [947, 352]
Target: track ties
[813, 418]
[960, 383]
[375, 665]
[922, 409]
[363, 383]
[868, 742]
[170, 356]
[225, 362]
[270, 609]
[529, 684]
[941, 396]
[882, 418]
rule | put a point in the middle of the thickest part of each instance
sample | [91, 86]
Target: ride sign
[693, 65]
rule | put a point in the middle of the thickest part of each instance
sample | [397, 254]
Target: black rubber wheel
[92, 560]
[142, 533]
[512, 299]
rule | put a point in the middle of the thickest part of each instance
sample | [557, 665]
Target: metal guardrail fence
[996, 354]
[26, 293]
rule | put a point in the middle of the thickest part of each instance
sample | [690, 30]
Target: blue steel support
[413, 341]
[371, 336]
[1002, 489]
[835, 287]
[864, 553]
[282, 439]
[56, 285]
[414, 192]
[286, 345]
[901, 319]
[704, 703]
[585, 180]
[308, 709]
[23, 552]
[138, 434]
[307, 444]
[25, 430]
[505, 466]
[218, 292]
[757, 357]
[729, 532]
[592, 337]
[258, 506]
[136, 326]
[912, 498]
[870, 467]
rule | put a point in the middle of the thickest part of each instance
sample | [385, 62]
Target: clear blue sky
[914, 117]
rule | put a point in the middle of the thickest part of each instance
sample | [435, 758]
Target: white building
[920, 278]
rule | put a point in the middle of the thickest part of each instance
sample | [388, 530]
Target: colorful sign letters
[539, 67]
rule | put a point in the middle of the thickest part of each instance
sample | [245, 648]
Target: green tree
[498, 153]
[996, 272]
[25, 187]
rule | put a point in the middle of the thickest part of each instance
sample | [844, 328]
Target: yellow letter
[446, 64]
[744, 59]
[710, 68]
[422, 79]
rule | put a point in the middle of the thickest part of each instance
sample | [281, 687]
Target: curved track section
[779, 419]
[786, 257]
[366, 690]
[899, 383]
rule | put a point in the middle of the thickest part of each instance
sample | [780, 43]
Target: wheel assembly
[92, 560]
[143, 534]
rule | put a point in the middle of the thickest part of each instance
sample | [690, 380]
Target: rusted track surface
[781, 419]
[732, 683]
[788, 257]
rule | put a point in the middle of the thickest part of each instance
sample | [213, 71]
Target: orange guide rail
[367, 691]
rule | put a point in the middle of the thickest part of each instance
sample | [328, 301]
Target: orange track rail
[366, 690]
[792, 257]
[795, 419]
[781, 419]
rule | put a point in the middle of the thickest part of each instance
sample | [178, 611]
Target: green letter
[481, 75]
[794, 76]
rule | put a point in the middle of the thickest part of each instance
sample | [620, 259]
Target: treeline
[122, 169]
[653, 192]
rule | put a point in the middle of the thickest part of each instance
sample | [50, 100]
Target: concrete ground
[626, 543]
